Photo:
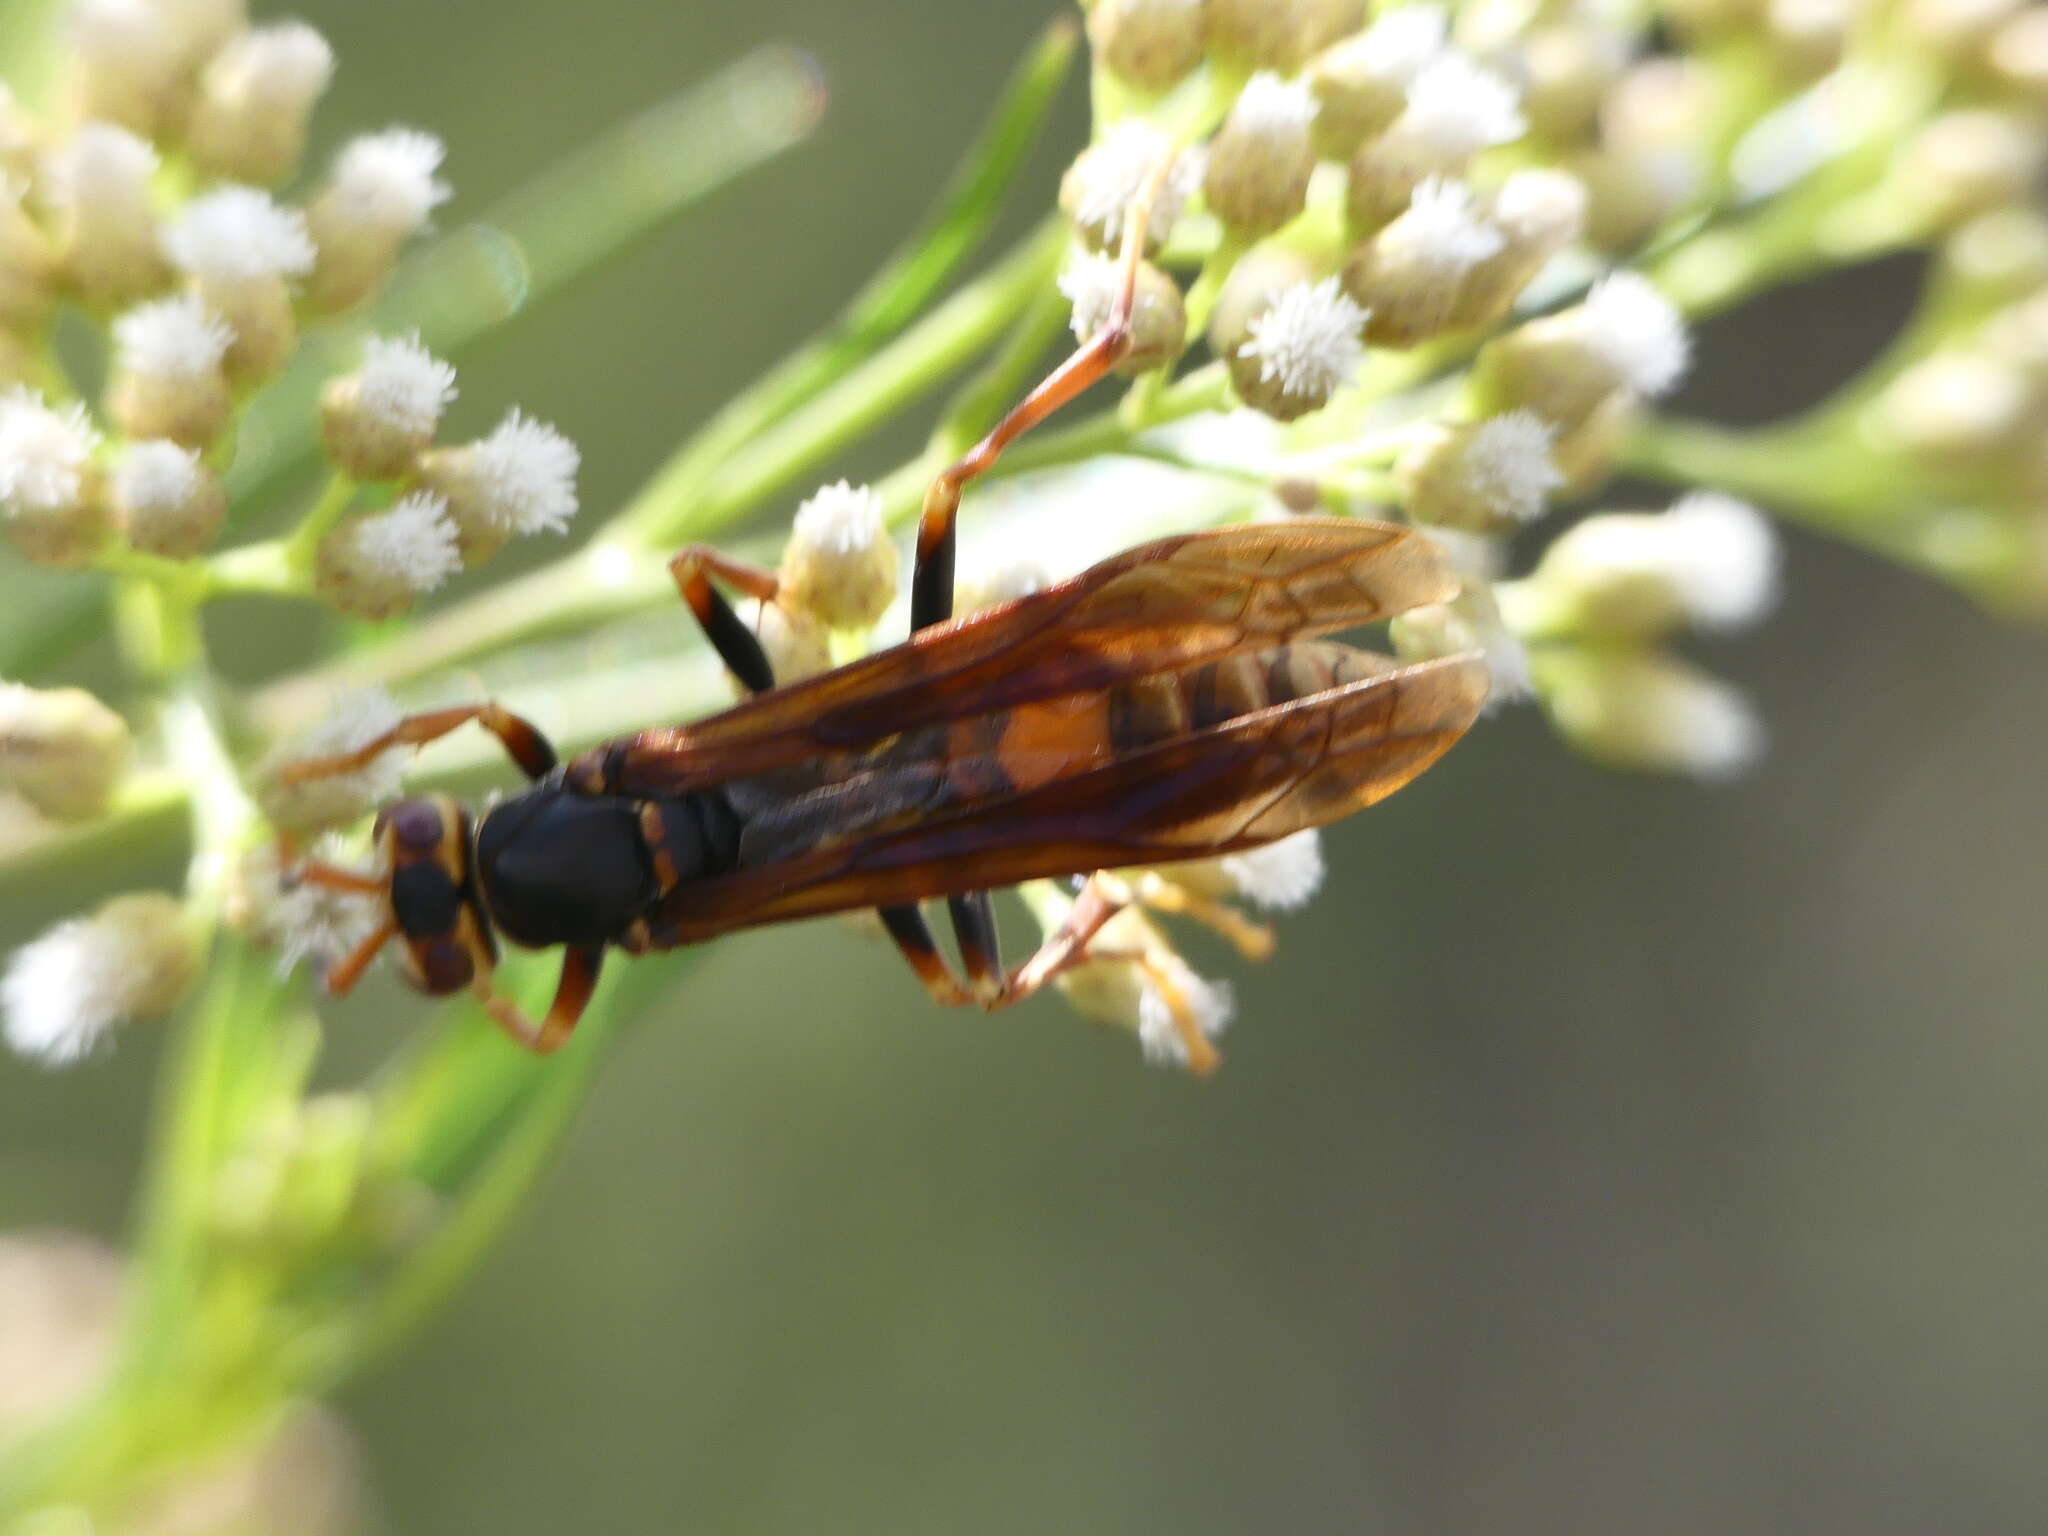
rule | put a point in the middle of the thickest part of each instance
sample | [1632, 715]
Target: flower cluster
[145, 202]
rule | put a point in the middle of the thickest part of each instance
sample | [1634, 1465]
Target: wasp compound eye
[417, 825]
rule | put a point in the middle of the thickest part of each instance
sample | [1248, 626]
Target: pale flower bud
[1301, 349]
[1956, 27]
[1539, 214]
[1567, 68]
[1470, 622]
[1961, 408]
[61, 750]
[1710, 561]
[125, 64]
[2018, 55]
[1109, 177]
[373, 567]
[989, 580]
[255, 101]
[796, 643]
[1159, 317]
[168, 379]
[351, 722]
[377, 421]
[840, 565]
[1651, 713]
[98, 187]
[1261, 159]
[1409, 277]
[240, 249]
[28, 262]
[1967, 162]
[380, 194]
[1259, 277]
[64, 993]
[204, 26]
[1997, 256]
[1361, 84]
[1265, 34]
[1626, 336]
[1150, 44]
[1454, 110]
[51, 496]
[168, 501]
[1176, 1014]
[20, 138]
[1485, 477]
[518, 482]
[1278, 877]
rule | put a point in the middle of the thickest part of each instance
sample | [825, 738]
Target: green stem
[302, 546]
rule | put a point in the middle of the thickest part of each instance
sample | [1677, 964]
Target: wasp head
[436, 913]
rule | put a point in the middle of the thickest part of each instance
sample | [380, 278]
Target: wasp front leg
[522, 741]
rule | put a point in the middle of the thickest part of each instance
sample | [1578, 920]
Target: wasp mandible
[1174, 702]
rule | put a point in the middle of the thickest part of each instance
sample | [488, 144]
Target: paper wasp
[1173, 702]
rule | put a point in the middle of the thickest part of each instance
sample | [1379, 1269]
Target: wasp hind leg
[931, 583]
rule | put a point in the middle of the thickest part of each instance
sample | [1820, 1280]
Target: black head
[426, 845]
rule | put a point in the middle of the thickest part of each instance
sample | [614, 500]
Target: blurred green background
[1598, 1155]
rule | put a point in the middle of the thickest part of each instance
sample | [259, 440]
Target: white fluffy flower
[404, 386]
[842, 519]
[1443, 233]
[1307, 340]
[64, 992]
[234, 234]
[1638, 332]
[285, 64]
[1723, 556]
[1211, 1004]
[527, 473]
[1272, 107]
[44, 452]
[1090, 282]
[1457, 108]
[1112, 175]
[1507, 465]
[1401, 43]
[171, 339]
[157, 477]
[1281, 876]
[413, 543]
[1709, 729]
[387, 180]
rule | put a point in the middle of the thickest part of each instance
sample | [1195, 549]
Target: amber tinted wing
[1236, 786]
[1161, 607]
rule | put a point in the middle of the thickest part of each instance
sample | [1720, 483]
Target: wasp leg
[580, 969]
[346, 972]
[1252, 940]
[1101, 898]
[931, 583]
[737, 646]
[521, 739]
[981, 953]
[913, 936]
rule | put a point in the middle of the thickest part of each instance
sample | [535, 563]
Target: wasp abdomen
[1165, 707]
